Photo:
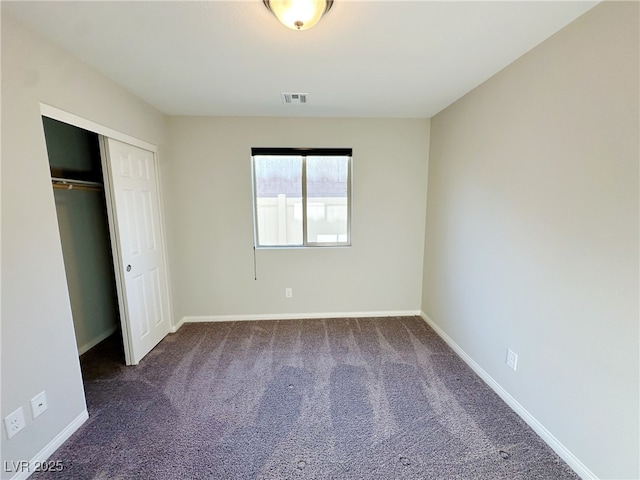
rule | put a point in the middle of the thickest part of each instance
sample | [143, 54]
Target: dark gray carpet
[316, 399]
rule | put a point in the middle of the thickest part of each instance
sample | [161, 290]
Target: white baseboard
[95, 341]
[52, 446]
[294, 316]
[555, 444]
[177, 326]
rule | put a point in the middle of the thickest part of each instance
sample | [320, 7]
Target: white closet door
[141, 271]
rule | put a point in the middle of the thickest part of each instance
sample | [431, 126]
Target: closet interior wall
[74, 154]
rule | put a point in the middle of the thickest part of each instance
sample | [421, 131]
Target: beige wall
[210, 226]
[38, 345]
[86, 248]
[532, 233]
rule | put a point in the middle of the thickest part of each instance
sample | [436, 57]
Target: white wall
[532, 233]
[209, 209]
[38, 344]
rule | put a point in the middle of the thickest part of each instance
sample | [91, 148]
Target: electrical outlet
[38, 405]
[512, 359]
[288, 292]
[14, 422]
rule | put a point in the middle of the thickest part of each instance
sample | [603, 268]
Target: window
[302, 197]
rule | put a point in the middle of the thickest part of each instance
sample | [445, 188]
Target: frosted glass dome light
[298, 14]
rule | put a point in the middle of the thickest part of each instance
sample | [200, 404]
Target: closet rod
[73, 181]
[70, 183]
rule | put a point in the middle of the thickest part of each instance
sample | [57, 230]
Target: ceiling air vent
[294, 98]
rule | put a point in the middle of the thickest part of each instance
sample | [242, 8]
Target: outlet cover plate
[14, 422]
[512, 359]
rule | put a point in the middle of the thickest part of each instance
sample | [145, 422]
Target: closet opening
[78, 183]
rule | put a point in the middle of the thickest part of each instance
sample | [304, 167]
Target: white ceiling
[364, 59]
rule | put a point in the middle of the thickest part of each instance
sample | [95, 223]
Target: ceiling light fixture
[298, 14]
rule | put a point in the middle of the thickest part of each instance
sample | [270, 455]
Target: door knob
[128, 268]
